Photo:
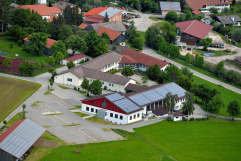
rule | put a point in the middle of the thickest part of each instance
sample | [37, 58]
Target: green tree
[131, 32]
[51, 82]
[184, 82]
[70, 64]
[85, 84]
[37, 42]
[37, 65]
[58, 47]
[127, 71]
[171, 16]
[64, 33]
[217, 103]
[153, 72]
[77, 43]
[237, 35]
[5, 12]
[7, 63]
[220, 65]
[78, 31]
[54, 26]
[188, 105]
[58, 57]
[105, 36]
[187, 72]
[95, 87]
[23, 106]
[1, 61]
[106, 19]
[201, 62]
[51, 60]
[233, 109]
[172, 72]
[169, 31]
[188, 15]
[101, 48]
[152, 37]
[206, 42]
[14, 31]
[162, 45]
[196, 58]
[213, 10]
[43, 64]
[169, 102]
[26, 67]
[188, 58]
[174, 50]
[144, 80]
[92, 40]
[138, 43]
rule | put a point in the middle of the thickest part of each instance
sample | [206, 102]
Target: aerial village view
[127, 80]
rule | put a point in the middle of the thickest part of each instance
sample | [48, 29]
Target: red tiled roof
[127, 60]
[75, 57]
[197, 4]
[94, 19]
[142, 58]
[112, 34]
[41, 9]
[49, 42]
[52, 17]
[10, 130]
[195, 28]
[83, 26]
[196, 12]
[95, 11]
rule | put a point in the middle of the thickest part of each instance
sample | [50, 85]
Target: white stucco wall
[64, 62]
[114, 65]
[63, 79]
[220, 7]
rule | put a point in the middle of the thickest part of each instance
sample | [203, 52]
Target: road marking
[87, 135]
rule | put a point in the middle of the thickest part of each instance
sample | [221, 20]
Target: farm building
[193, 31]
[47, 47]
[97, 15]
[18, 139]
[177, 116]
[122, 108]
[140, 61]
[75, 58]
[165, 7]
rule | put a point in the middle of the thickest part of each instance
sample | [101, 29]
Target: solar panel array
[126, 105]
[165, 6]
[140, 99]
[114, 97]
[175, 89]
[22, 138]
[175, 6]
[110, 12]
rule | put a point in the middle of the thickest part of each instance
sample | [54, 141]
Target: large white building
[122, 108]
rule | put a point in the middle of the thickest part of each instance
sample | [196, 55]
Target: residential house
[47, 47]
[18, 139]
[205, 5]
[119, 48]
[233, 20]
[46, 12]
[208, 20]
[127, 108]
[193, 31]
[97, 15]
[61, 5]
[140, 61]
[75, 58]
[165, 7]
[197, 12]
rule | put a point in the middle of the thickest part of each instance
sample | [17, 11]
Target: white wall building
[75, 58]
[177, 116]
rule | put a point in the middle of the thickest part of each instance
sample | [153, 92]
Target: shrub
[87, 59]
[48, 86]
[196, 119]
[192, 119]
[82, 62]
[5, 122]
[28, 49]
[19, 42]
[169, 119]
[199, 119]
[11, 45]
[74, 88]
[105, 88]
[184, 119]
[207, 118]
[113, 71]
[204, 119]
[25, 47]
[78, 89]
[3, 34]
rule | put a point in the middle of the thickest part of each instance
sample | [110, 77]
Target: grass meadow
[12, 93]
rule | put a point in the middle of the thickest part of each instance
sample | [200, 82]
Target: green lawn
[81, 114]
[198, 140]
[63, 87]
[142, 35]
[155, 19]
[99, 120]
[17, 117]
[5, 46]
[227, 94]
[217, 53]
[13, 92]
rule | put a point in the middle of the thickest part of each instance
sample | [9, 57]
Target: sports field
[12, 93]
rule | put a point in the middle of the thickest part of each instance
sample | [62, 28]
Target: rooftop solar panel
[152, 95]
[162, 91]
[126, 105]
[175, 6]
[22, 138]
[110, 12]
[114, 97]
[165, 6]
[140, 99]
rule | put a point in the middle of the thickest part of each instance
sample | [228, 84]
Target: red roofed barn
[140, 61]
[193, 31]
[75, 58]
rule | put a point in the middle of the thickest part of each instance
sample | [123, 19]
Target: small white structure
[76, 59]
[177, 116]
[208, 20]
[42, 2]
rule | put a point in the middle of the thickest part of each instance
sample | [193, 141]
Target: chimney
[232, 18]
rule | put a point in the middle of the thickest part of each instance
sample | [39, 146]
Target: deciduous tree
[206, 42]
[7, 63]
[131, 32]
[43, 64]
[237, 35]
[51, 60]
[58, 57]
[138, 43]
[152, 37]
[77, 43]
[64, 33]
[233, 109]
[5, 12]
[85, 84]
[169, 102]
[127, 71]
[70, 64]
[153, 72]
[101, 48]
[92, 40]
[95, 87]
[188, 58]
[144, 80]
[58, 47]
[37, 42]
[105, 36]
[217, 103]
[188, 105]
[171, 16]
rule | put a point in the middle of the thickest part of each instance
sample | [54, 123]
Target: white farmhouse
[75, 58]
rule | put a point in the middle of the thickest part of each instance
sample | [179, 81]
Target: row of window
[187, 37]
[134, 116]
[116, 116]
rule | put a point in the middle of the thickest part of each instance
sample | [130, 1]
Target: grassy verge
[53, 114]
[82, 92]
[36, 103]
[236, 65]
[48, 92]
[78, 106]
[216, 139]
[217, 53]
[64, 87]
[99, 120]
[155, 19]
[106, 129]
[72, 125]
[81, 114]
[13, 93]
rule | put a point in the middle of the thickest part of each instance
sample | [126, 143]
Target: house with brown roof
[75, 58]
[47, 47]
[205, 5]
[140, 61]
[45, 12]
[166, 6]
[178, 116]
[61, 5]
[193, 31]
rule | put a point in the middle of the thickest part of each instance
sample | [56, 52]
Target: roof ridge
[190, 25]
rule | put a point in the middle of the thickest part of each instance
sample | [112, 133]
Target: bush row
[191, 119]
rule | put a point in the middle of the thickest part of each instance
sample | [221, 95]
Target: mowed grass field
[12, 93]
[198, 140]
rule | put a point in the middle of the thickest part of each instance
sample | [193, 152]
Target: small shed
[208, 53]
[75, 58]
[177, 116]
[18, 139]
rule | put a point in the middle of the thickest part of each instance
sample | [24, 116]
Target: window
[111, 114]
[97, 103]
[114, 108]
[112, 85]
[109, 84]
[55, 77]
[90, 80]
[134, 117]
[116, 116]
[104, 103]
[96, 110]
[103, 83]
[138, 115]
[87, 108]
[121, 117]
[181, 36]
[111, 107]
[69, 79]
[176, 117]
[91, 102]
[92, 109]
[130, 117]
[117, 109]
[187, 36]
[192, 37]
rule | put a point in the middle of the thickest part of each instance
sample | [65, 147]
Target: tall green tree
[78, 31]
[92, 40]
[37, 65]
[70, 64]
[105, 36]
[174, 50]
[77, 43]
[217, 103]
[58, 57]
[37, 42]
[169, 31]
[127, 71]
[64, 33]
[169, 102]
[51, 82]
[132, 32]
[152, 37]
[213, 10]
[188, 105]
[101, 48]
[5, 12]
[14, 31]
[153, 72]
[95, 87]
[85, 84]
[237, 35]
[7, 63]
[188, 58]
[162, 45]
[54, 27]
[171, 16]
[187, 72]
[43, 64]
[233, 109]
[138, 43]
[206, 42]
[220, 65]
[144, 80]
[23, 106]
[51, 60]
[106, 19]
[188, 15]
[58, 47]
[201, 62]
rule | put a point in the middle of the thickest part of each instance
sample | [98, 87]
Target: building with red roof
[140, 61]
[205, 5]
[75, 58]
[193, 31]
[18, 139]
[45, 12]
[97, 15]
[50, 42]
[83, 26]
